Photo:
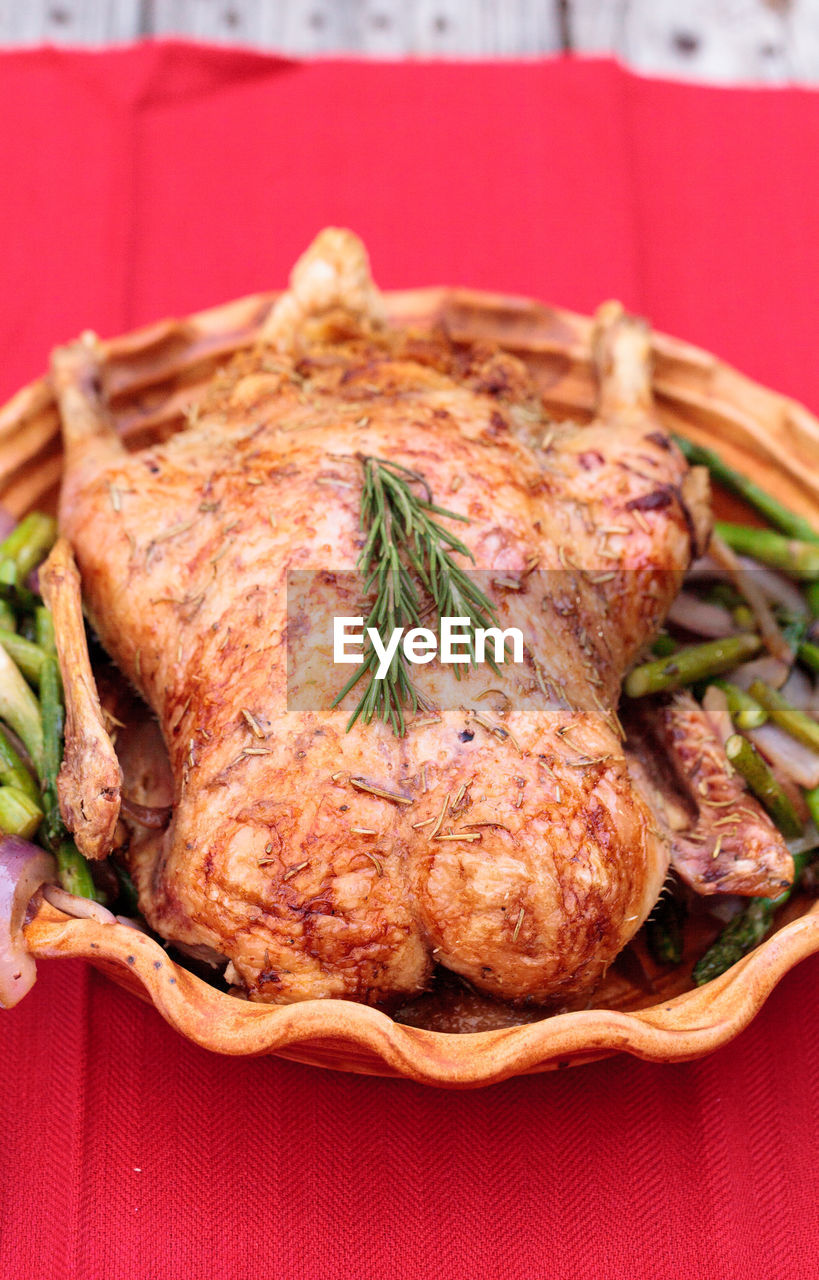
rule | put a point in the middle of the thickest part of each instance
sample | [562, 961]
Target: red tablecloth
[162, 179]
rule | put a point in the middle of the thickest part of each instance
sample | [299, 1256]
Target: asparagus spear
[27, 544]
[793, 630]
[747, 761]
[664, 645]
[798, 558]
[689, 665]
[52, 710]
[13, 772]
[664, 936]
[8, 573]
[19, 709]
[743, 617]
[771, 508]
[795, 722]
[39, 726]
[746, 712]
[809, 654]
[723, 593]
[44, 629]
[19, 815]
[741, 936]
[128, 899]
[746, 929]
[75, 874]
[812, 801]
[8, 621]
[28, 656]
[812, 597]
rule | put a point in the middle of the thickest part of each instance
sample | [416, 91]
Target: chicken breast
[502, 836]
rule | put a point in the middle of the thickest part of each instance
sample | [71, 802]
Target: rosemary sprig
[404, 539]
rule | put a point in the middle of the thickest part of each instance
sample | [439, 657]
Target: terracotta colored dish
[155, 375]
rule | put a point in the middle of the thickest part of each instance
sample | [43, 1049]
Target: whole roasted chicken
[503, 836]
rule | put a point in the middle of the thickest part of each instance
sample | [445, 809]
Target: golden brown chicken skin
[502, 837]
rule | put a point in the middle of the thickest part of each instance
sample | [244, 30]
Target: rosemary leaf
[406, 548]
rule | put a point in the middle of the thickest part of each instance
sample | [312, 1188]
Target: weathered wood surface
[724, 41]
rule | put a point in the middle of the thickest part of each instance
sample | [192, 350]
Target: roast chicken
[503, 836]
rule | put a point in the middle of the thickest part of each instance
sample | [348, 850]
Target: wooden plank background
[723, 41]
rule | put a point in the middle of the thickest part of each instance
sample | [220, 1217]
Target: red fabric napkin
[166, 178]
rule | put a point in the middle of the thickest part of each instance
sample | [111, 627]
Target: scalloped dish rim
[354, 1037]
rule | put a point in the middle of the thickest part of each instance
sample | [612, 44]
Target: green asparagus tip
[51, 704]
[771, 508]
[808, 653]
[8, 620]
[44, 629]
[749, 927]
[29, 657]
[664, 931]
[664, 646]
[746, 712]
[687, 666]
[743, 617]
[741, 936]
[19, 708]
[128, 899]
[747, 761]
[798, 558]
[795, 722]
[19, 815]
[75, 874]
[13, 771]
[28, 544]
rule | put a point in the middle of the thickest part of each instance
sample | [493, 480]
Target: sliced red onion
[202, 952]
[715, 705]
[802, 692]
[768, 669]
[131, 923]
[804, 843]
[23, 869]
[795, 760]
[726, 906]
[147, 815]
[706, 569]
[81, 908]
[775, 586]
[798, 690]
[745, 583]
[7, 522]
[701, 617]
